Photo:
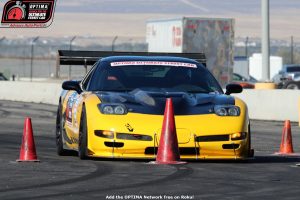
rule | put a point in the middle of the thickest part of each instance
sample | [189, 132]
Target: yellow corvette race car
[117, 110]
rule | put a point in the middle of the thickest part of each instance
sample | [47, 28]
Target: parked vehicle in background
[287, 75]
[252, 79]
[243, 81]
[293, 84]
[2, 77]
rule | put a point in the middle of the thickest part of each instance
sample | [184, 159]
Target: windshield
[293, 69]
[183, 77]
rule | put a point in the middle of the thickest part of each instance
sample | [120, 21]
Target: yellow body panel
[188, 127]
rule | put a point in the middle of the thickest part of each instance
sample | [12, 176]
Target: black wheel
[250, 151]
[59, 130]
[82, 141]
[293, 86]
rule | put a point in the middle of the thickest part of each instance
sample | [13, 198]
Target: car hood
[153, 102]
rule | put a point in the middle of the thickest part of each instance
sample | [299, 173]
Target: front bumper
[188, 129]
[193, 149]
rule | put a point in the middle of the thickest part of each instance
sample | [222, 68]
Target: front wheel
[59, 130]
[82, 142]
[250, 151]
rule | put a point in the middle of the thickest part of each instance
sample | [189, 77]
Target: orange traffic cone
[27, 152]
[168, 151]
[286, 146]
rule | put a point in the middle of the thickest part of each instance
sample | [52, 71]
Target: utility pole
[31, 59]
[113, 43]
[71, 41]
[246, 55]
[3, 38]
[246, 46]
[265, 40]
[292, 50]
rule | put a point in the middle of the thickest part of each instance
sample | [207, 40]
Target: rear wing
[85, 58]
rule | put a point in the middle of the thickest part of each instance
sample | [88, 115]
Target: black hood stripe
[154, 102]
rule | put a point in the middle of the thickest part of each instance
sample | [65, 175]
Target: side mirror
[233, 88]
[72, 85]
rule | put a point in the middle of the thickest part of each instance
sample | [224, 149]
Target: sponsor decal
[74, 140]
[176, 36]
[75, 109]
[69, 109]
[162, 63]
[28, 14]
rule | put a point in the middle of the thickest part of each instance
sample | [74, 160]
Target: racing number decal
[75, 109]
[69, 109]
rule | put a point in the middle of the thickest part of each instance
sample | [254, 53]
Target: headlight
[119, 110]
[227, 110]
[108, 110]
[112, 109]
[234, 111]
[221, 111]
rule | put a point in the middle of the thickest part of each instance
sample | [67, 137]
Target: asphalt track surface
[265, 177]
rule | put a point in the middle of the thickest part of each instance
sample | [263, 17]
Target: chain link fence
[287, 48]
[25, 59]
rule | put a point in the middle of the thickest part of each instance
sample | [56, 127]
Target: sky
[127, 18]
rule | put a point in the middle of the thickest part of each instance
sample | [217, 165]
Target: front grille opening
[189, 151]
[114, 144]
[126, 136]
[151, 150]
[212, 138]
[230, 146]
[182, 151]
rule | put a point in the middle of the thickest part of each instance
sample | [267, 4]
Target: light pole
[31, 59]
[265, 40]
[71, 41]
[3, 38]
[246, 46]
[113, 43]
[246, 54]
[292, 50]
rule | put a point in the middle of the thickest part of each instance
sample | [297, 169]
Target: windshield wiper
[114, 90]
[197, 91]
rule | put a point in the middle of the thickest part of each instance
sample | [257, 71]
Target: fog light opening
[238, 136]
[104, 134]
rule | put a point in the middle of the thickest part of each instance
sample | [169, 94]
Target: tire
[82, 141]
[250, 151]
[293, 86]
[59, 130]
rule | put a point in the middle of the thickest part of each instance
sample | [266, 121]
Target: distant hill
[127, 18]
[192, 7]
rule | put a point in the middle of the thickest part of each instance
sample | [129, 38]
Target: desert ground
[282, 25]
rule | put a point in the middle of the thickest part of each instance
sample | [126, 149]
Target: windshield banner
[162, 63]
